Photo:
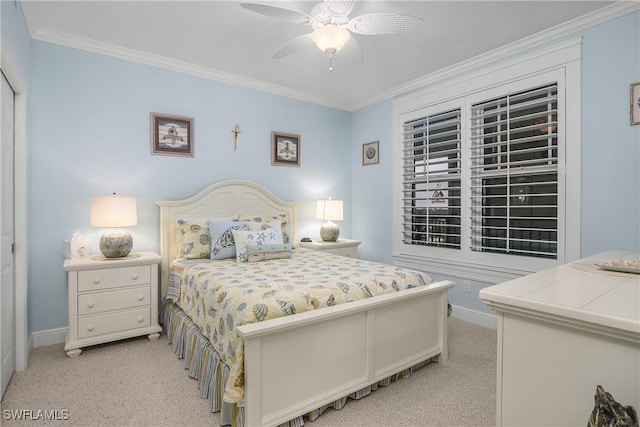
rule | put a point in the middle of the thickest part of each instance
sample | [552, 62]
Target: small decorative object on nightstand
[343, 247]
[110, 301]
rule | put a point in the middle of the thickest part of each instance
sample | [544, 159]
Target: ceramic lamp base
[329, 232]
[116, 244]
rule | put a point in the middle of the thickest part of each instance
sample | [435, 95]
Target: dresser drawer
[100, 302]
[113, 322]
[113, 277]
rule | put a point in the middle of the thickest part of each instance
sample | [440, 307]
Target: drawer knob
[140, 297]
[90, 328]
[96, 281]
[91, 305]
[134, 277]
[140, 319]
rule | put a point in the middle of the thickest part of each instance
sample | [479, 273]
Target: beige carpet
[142, 383]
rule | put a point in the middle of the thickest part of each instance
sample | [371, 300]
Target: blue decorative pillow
[222, 243]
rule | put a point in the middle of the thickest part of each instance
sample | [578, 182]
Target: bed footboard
[298, 363]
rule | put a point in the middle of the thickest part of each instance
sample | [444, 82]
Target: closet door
[7, 285]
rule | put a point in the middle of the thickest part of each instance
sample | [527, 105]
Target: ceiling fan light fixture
[330, 38]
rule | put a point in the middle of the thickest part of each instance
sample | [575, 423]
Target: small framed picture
[285, 149]
[171, 135]
[635, 103]
[370, 155]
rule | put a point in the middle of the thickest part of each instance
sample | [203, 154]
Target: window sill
[464, 270]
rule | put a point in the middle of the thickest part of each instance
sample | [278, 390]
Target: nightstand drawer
[113, 322]
[346, 252]
[113, 277]
[100, 302]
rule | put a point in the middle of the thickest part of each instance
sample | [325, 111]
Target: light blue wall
[610, 209]
[90, 127]
[371, 185]
[89, 135]
[610, 147]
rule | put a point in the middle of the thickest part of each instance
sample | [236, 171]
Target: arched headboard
[225, 199]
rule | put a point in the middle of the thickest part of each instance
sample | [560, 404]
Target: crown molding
[30, 13]
[565, 29]
[94, 46]
[552, 34]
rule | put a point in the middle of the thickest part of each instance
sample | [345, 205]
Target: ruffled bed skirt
[204, 365]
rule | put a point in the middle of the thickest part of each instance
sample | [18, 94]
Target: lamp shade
[329, 210]
[114, 211]
[330, 38]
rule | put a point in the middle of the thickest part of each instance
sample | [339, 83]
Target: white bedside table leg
[73, 354]
[153, 337]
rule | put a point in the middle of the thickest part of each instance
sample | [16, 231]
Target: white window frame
[559, 62]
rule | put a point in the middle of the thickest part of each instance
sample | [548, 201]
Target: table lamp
[329, 210]
[114, 212]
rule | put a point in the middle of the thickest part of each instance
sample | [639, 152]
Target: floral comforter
[223, 294]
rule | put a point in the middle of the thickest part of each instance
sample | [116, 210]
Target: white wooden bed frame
[354, 345]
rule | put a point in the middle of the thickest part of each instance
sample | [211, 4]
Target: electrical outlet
[466, 286]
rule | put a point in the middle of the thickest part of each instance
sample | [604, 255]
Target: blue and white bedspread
[223, 294]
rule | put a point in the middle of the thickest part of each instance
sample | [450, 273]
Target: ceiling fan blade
[294, 45]
[283, 13]
[383, 23]
[350, 52]
[339, 8]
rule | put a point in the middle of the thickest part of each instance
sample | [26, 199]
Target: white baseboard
[48, 337]
[474, 316]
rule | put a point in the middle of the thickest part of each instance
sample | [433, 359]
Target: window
[487, 178]
[431, 180]
[514, 173]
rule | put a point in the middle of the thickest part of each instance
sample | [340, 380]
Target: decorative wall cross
[235, 131]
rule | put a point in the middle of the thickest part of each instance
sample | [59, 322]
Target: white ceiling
[222, 40]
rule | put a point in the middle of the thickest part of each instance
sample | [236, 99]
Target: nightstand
[111, 300]
[343, 247]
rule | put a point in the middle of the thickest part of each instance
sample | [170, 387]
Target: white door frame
[12, 74]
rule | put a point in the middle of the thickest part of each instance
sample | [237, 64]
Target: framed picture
[171, 135]
[635, 103]
[370, 155]
[285, 149]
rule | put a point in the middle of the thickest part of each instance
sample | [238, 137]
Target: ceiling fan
[332, 27]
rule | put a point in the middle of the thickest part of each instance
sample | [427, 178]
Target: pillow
[193, 239]
[222, 243]
[266, 252]
[285, 224]
[252, 238]
[276, 226]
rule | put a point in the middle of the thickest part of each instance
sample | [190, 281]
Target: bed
[310, 358]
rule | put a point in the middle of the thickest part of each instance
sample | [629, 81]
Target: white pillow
[222, 244]
[276, 226]
[243, 239]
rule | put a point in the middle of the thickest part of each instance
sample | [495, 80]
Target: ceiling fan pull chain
[330, 61]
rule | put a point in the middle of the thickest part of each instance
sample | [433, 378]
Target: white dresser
[111, 300]
[562, 332]
[342, 247]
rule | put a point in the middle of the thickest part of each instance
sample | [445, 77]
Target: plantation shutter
[431, 180]
[514, 173]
